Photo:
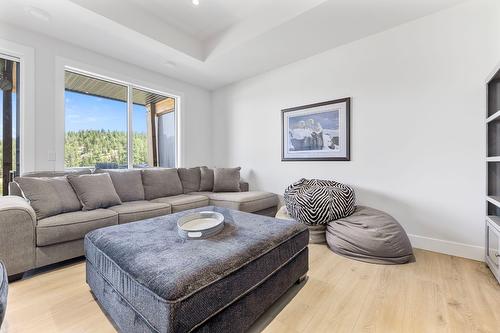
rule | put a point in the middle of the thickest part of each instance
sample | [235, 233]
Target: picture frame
[316, 132]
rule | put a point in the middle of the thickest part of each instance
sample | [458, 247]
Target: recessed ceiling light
[38, 13]
[196, 2]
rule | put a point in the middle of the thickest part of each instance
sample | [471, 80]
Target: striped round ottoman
[317, 202]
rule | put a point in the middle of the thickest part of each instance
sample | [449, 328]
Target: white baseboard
[447, 247]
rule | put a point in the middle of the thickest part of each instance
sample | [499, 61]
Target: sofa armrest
[244, 186]
[17, 234]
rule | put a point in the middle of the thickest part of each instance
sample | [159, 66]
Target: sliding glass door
[166, 140]
[9, 103]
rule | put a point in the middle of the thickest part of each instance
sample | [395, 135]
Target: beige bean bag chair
[369, 235]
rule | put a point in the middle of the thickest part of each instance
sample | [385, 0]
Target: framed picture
[316, 132]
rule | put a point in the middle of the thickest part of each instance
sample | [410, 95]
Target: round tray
[200, 225]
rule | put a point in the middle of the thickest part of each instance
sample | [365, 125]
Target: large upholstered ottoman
[4, 289]
[148, 279]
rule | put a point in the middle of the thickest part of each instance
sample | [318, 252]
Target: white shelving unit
[493, 116]
[492, 255]
[495, 200]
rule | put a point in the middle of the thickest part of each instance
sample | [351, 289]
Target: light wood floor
[437, 293]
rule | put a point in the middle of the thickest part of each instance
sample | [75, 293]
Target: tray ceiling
[219, 41]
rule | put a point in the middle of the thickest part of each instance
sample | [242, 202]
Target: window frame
[130, 109]
[26, 57]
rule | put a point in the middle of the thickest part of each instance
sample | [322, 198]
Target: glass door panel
[149, 147]
[9, 102]
[166, 140]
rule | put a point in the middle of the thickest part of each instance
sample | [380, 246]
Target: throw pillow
[206, 179]
[127, 183]
[95, 191]
[49, 196]
[160, 183]
[190, 179]
[227, 179]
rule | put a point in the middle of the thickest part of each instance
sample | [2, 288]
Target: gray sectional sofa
[41, 223]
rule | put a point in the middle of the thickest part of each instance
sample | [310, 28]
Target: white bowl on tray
[200, 225]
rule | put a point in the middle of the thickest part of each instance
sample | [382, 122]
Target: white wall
[52, 55]
[418, 114]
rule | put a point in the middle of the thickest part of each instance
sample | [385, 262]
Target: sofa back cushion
[190, 179]
[49, 195]
[76, 171]
[14, 188]
[95, 191]
[227, 179]
[160, 183]
[127, 183]
[206, 179]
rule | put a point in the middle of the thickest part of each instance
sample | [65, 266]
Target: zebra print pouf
[314, 201]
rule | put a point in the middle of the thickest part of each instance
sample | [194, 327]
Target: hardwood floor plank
[436, 293]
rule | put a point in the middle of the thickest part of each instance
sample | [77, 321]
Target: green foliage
[13, 167]
[85, 148]
[13, 154]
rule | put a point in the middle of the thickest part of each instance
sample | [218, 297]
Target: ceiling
[219, 41]
[204, 21]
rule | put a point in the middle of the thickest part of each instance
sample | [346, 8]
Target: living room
[320, 146]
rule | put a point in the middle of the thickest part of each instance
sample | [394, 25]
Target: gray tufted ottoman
[4, 288]
[148, 279]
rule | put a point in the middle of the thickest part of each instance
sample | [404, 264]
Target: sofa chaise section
[249, 202]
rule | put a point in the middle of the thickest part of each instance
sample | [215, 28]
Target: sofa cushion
[183, 202]
[49, 196]
[71, 226]
[227, 179]
[250, 202]
[95, 191]
[140, 210]
[127, 183]
[161, 183]
[206, 179]
[76, 171]
[14, 188]
[190, 179]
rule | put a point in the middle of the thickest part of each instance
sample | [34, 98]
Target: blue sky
[90, 112]
[84, 112]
